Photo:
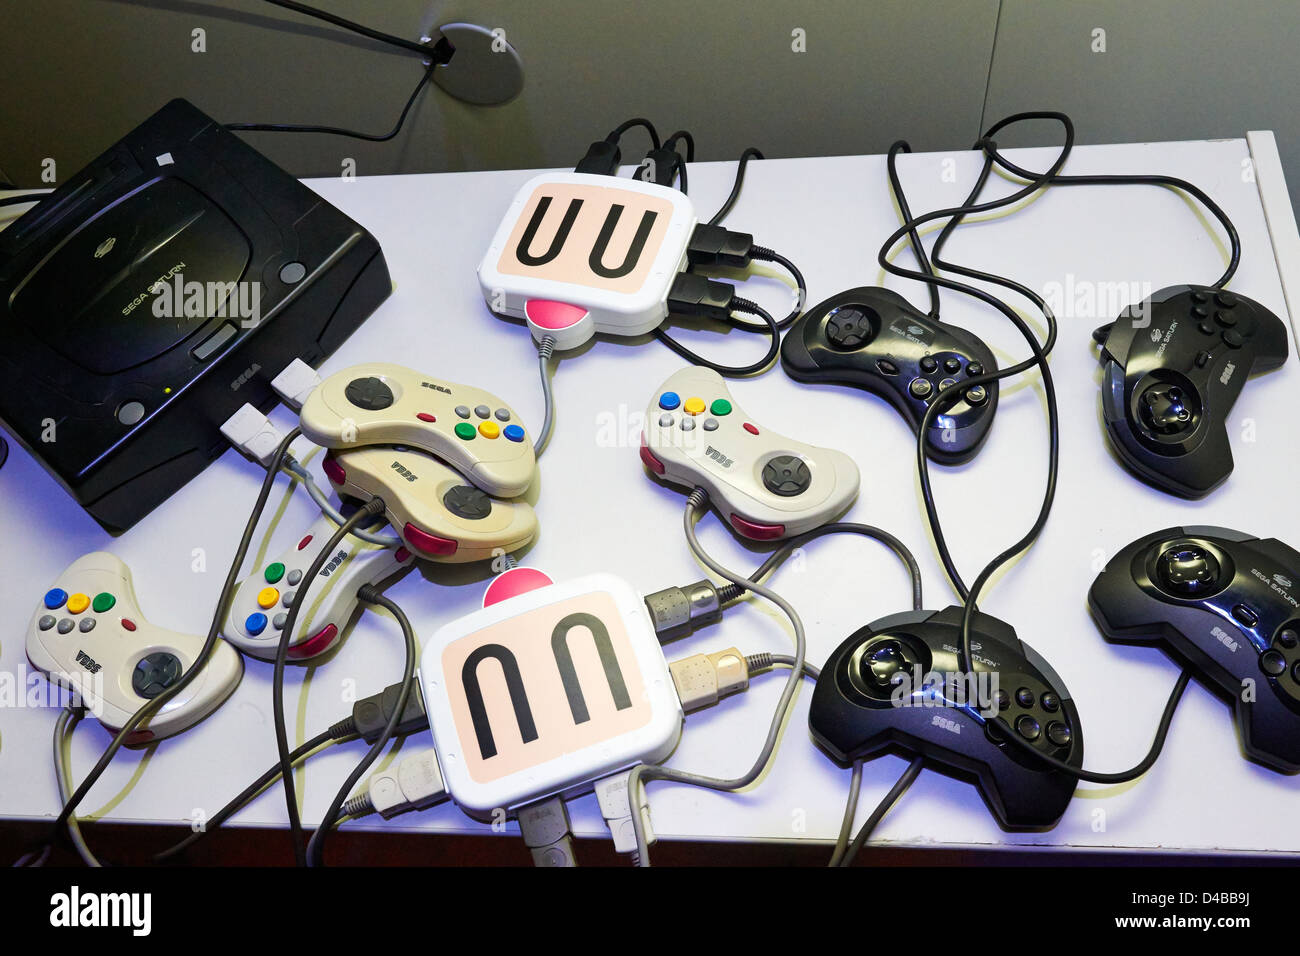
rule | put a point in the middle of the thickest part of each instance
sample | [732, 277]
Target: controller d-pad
[787, 476]
[466, 501]
[1187, 570]
[369, 393]
[155, 673]
[1168, 409]
[849, 327]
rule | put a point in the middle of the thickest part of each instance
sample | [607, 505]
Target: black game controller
[896, 685]
[875, 339]
[1228, 606]
[1174, 365]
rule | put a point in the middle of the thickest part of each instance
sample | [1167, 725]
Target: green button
[720, 406]
[103, 602]
[274, 572]
[465, 430]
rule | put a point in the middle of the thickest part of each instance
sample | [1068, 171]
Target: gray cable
[694, 503]
[63, 728]
[299, 471]
[850, 810]
[545, 348]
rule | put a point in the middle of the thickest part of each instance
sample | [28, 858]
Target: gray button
[130, 413]
[292, 273]
[502, 414]
[482, 411]
[710, 424]
[208, 346]
[66, 625]
[294, 577]
[277, 622]
[462, 411]
[287, 600]
[920, 388]
[975, 395]
[666, 419]
[688, 424]
[87, 624]
[46, 622]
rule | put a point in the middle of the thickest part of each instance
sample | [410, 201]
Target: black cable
[370, 595]
[335, 130]
[680, 167]
[223, 599]
[918, 248]
[617, 132]
[440, 52]
[725, 209]
[882, 808]
[248, 793]
[739, 305]
[363, 514]
[19, 200]
[764, 254]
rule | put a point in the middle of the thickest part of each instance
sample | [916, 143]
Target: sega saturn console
[154, 293]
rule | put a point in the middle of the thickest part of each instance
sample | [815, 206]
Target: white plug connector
[616, 808]
[253, 434]
[702, 679]
[414, 783]
[546, 831]
[295, 382]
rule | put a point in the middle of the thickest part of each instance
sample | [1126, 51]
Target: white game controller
[437, 513]
[383, 404]
[89, 636]
[766, 485]
[578, 254]
[260, 605]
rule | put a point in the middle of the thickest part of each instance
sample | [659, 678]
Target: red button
[759, 532]
[753, 430]
[425, 417]
[304, 542]
[128, 624]
[314, 644]
[428, 543]
[514, 582]
[401, 554]
[651, 462]
[333, 470]
[548, 314]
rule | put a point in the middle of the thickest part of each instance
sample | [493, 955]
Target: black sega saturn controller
[1228, 606]
[1174, 365]
[875, 339]
[897, 685]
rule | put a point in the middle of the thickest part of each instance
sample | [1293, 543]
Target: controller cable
[63, 729]
[545, 349]
[878, 814]
[731, 371]
[299, 471]
[20, 200]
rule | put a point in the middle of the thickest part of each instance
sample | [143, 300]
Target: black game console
[154, 293]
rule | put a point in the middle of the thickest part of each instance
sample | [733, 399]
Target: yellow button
[267, 597]
[78, 603]
[694, 406]
[489, 429]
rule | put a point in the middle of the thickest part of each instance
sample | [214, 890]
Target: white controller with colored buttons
[383, 404]
[260, 606]
[439, 515]
[89, 636]
[767, 486]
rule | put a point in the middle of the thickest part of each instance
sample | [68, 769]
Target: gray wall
[77, 74]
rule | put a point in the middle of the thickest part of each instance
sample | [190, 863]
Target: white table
[598, 510]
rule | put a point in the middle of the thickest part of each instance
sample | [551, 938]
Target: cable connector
[370, 715]
[696, 295]
[678, 611]
[601, 160]
[661, 164]
[295, 382]
[712, 245]
[616, 808]
[546, 831]
[415, 783]
[702, 679]
[253, 434]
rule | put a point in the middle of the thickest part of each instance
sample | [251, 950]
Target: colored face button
[128, 624]
[752, 429]
[55, 597]
[489, 429]
[274, 572]
[255, 624]
[267, 597]
[465, 431]
[669, 400]
[720, 407]
[694, 406]
[103, 602]
[513, 432]
[78, 603]
[426, 417]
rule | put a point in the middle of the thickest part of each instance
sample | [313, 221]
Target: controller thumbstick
[1168, 409]
[883, 665]
[1187, 570]
[850, 327]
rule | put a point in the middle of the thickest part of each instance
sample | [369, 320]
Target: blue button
[669, 400]
[514, 433]
[255, 624]
[55, 597]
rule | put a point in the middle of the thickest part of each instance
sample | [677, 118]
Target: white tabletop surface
[599, 511]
